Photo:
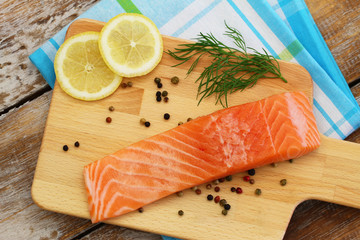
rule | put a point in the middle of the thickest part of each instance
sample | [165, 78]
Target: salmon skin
[210, 147]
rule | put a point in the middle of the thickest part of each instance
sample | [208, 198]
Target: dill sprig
[231, 69]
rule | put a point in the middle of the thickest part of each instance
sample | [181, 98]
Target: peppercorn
[198, 191]
[291, 160]
[129, 84]
[210, 197]
[158, 99]
[76, 144]
[222, 202]
[228, 178]
[189, 119]
[251, 172]
[65, 148]
[159, 85]
[157, 80]
[147, 124]
[217, 199]
[142, 121]
[108, 119]
[180, 123]
[123, 85]
[164, 93]
[175, 80]
[274, 164]
[227, 206]
[252, 181]
[141, 210]
[208, 186]
[246, 178]
[180, 194]
[221, 179]
[158, 94]
[283, 182]
[217, 189]
[233, 189]
[194, 188]
[166, 99]
[111, 108]
[181, 212]
[224, 212]
[216, 182]
[239, 190]
[258, 191]
[166, 116]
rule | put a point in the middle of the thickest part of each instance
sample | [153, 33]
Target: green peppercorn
[194, 188]
[180, 123]
[228, 178]
[216, 182]
[283, 182]
[222, 202]
[274, 164]
[111, 108]
[258, 191]
[224, 212]
[142, 120]
[129, 84]
[157, 80]
[175, 80]
[164, 93]
[180, 194]
[181, 212]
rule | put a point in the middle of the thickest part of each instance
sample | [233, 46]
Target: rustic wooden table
[24, 104]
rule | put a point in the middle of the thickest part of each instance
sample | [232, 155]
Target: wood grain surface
[56, 168]
[22, 86]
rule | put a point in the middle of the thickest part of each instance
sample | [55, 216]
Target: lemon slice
[81, 71]
[131, 44]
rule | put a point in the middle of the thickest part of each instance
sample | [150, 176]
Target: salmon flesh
[226, 142]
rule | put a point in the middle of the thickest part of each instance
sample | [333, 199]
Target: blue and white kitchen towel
[284, 28]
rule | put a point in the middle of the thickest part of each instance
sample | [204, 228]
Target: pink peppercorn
[198, 191]
[239, 190]
[217, 199]
[108, 119]
[217, 189]
[246, 178]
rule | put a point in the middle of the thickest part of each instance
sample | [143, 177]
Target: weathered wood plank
[21, 133]
[110, 232]
[338, 22]
[28, 25]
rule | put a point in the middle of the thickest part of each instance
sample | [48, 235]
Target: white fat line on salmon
[297, 118]
[167, 157]
[267, 124]
[191, 146]
[180, 151]
[148, 189]
[159, 166]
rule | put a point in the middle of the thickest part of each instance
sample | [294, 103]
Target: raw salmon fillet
[225, 142]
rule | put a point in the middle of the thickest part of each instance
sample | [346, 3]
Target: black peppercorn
[147, 124]
[76, 144]
[159, 85]
[157, 80]
[158, 99]
[251, 172]
[166, 116]
[158, 94]
[210, 197]
[65, 148]
[227, 206]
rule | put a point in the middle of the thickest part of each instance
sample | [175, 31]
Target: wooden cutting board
[331, 173]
